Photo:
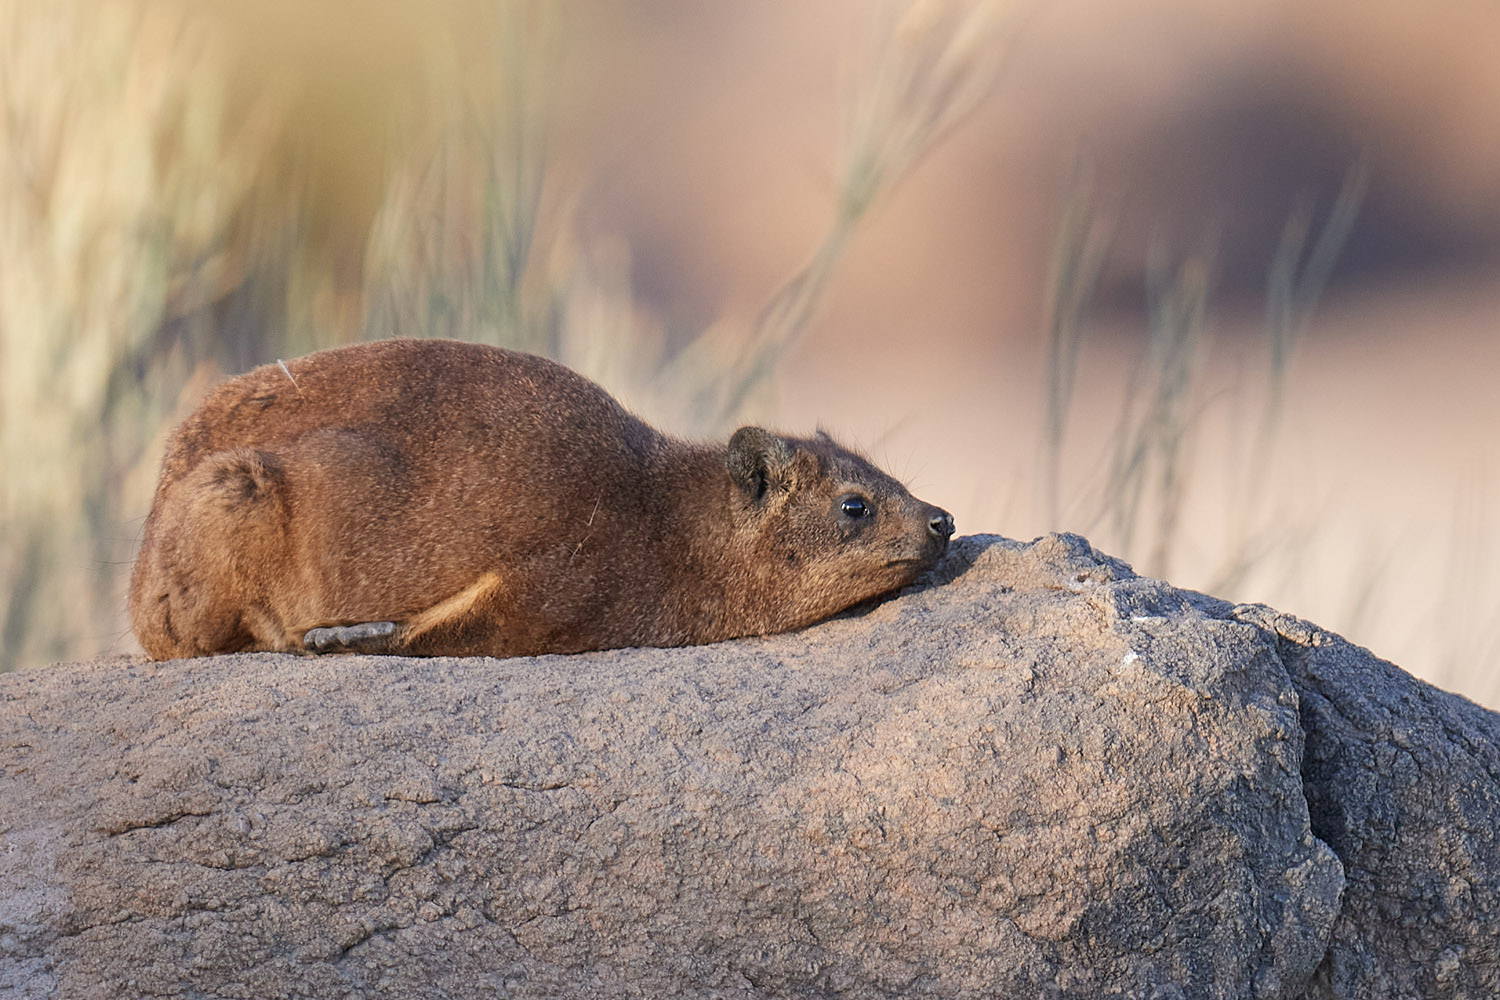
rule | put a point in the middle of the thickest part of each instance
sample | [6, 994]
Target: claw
[346, 638]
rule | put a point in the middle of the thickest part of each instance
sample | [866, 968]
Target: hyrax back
[437, 497]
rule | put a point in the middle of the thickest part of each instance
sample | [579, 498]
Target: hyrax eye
[856, 506]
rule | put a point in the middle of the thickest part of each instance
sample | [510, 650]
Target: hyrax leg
[366, 636]
[441, 628]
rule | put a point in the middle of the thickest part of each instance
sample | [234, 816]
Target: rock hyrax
[445, 498]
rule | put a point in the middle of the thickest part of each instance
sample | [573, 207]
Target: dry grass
[119, 188]
[1082, 247]
[1154, 468]
[1297, 278]
[451, 248]
[926, 71]
[1134, 504]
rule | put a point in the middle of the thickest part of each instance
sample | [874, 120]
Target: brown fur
[490, 502]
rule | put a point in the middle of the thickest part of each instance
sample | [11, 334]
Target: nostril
[941, 524]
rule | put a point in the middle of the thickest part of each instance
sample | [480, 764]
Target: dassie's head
[830, 529]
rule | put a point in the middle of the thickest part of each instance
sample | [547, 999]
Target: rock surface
[1039, 777]
[1403, 782]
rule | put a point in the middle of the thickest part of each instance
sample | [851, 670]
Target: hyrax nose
[940, 525]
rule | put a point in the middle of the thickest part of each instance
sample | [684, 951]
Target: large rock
[1041, 777]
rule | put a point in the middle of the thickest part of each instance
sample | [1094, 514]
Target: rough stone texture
[1403, 782]
[1043, 777]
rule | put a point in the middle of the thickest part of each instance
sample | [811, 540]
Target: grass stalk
[1082, 247]
[929, 72]
[1295, 284]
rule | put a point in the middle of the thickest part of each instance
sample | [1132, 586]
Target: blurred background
[1212, 284]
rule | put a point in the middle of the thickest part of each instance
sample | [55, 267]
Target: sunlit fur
[491, 502]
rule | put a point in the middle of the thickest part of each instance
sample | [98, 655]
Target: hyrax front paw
[367, 637]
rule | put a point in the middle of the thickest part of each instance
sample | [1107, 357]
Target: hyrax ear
[758, 459]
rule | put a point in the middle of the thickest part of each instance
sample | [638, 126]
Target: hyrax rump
[434, 497]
